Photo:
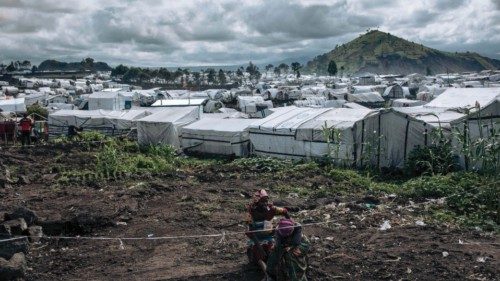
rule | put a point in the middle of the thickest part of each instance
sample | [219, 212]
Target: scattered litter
[408, 270]
[460, 242]
[151, 235]
[391, 196]
[420, 223]
[329, 238]
[386, 225]
[481, 259]
[445, 254]
[327, 216]
[121, 223]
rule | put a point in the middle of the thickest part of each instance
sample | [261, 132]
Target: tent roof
[465, 97]
[179, 102]
[170, 114]
[221, 125]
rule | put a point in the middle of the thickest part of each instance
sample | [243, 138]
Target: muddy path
[211, 200]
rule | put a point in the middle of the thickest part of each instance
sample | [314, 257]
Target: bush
[432, 160]
[426, 187]
[164, 151]
[38, 111]
[261, 164]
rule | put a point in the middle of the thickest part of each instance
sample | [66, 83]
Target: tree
[222, 77]
[35, 69]
[211, 75]
[284, 67]
[296, 66]
[277, 71]
[332, 68]
[87, 63]
[269, 67]
[239, 72]
[253, 70]
[119, 70]
[342, 68]
[131, 74]
[11, 67]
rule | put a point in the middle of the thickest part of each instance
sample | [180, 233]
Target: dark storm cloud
[305, 22]
[155, 32]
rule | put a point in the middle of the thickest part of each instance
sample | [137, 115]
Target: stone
[34, 233]
[5, 231]
[17, 226]
[23, 179]
[13, 269]
[28, 215]
[9, 248]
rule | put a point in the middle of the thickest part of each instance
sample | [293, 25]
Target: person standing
[26, 124]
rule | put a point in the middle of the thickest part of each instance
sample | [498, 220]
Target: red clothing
[26, 124]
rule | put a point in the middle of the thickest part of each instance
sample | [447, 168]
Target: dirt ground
[211, 200]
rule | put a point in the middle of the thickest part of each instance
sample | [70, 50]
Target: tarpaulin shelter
[298, 133]
[105, 121]
[164, 127]
[13, 105]
[218, 136]
[404, 128]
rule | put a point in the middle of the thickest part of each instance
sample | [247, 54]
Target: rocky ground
[211, 199]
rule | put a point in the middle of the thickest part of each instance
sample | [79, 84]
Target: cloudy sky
[203, 32]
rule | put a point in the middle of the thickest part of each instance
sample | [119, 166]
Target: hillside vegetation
[383, 53]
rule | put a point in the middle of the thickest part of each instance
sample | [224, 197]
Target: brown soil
[212, 200]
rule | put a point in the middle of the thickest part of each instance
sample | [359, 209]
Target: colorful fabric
[26, 124]
[284, 264]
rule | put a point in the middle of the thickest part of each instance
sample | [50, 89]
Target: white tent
[253, 105]
[404, 128]
[163, 127]
[300, 133]
[406, 103]
[365, 97]
[105, 121]
[217, 136]
[109, 101]
[13, 105]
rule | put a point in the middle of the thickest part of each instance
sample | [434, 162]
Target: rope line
[223, 235]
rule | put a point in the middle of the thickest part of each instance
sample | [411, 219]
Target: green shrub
[165, 151]
[262, 164]
[39, 112]
[92, 136]
[432, 160]
[426, 187]
[350, 178]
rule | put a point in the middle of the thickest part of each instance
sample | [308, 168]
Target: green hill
[383, 53]
[86, 64]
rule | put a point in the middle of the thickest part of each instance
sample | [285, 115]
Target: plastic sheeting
[163, 127]
[217, 136]
[365, 97]
[109, 121]
[13, 105]
[297, 133]
[465, 97]
[406, 103]
[108, 101]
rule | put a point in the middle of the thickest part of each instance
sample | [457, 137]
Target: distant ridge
[54, 65]
[383, 53]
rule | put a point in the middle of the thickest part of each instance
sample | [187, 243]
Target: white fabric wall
[217, 136]
[164, 127]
